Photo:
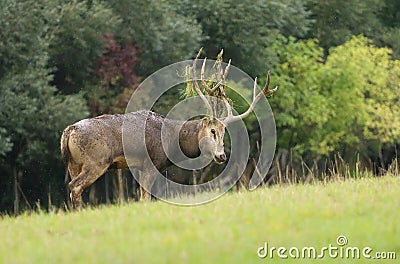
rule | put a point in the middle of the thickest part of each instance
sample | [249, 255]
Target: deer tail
[64, 143]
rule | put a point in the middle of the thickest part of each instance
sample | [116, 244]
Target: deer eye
[213, 131]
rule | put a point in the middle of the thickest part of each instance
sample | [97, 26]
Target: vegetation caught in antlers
[214, 86]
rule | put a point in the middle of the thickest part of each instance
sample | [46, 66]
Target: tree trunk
[66, 182]
[135, 185]
[16, 192]
[382, 168]
[107, 190]
[92, 195]
[121, 196]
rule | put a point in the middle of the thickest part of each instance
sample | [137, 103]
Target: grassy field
[228, 230]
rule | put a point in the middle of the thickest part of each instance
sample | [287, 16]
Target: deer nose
[222, 157]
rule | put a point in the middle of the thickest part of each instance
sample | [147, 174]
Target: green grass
[228, 230]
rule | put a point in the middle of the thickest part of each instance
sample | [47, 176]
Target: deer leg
[146, 180]
[73, 170]
[88, 175]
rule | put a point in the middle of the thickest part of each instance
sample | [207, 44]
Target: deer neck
[189, 138]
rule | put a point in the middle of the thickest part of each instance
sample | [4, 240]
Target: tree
[166, 36]
[346, 103]
[247, 29]
[5, 143]
[32, 113]
[369, 78]
[300, 108]
[76, 30]
[337, 20]
[389, 36]
[117, 79]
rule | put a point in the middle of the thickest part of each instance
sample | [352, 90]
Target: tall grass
[286, 170]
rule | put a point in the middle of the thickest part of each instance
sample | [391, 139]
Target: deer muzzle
[220, 158]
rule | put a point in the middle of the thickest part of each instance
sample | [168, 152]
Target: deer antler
[265, 91]
[196, 85]
[221, 75]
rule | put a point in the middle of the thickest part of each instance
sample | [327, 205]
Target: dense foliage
[348, 101]
[336, 62]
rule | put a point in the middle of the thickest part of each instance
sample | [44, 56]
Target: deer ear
[205, 121]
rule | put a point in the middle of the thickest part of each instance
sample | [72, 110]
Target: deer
[92, 146]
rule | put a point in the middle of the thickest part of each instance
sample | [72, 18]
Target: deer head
[213, 128]
[211, 138]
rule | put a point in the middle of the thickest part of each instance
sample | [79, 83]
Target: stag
[92, 146]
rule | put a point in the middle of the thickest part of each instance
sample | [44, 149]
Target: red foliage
[115, 70]
[116, 66]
